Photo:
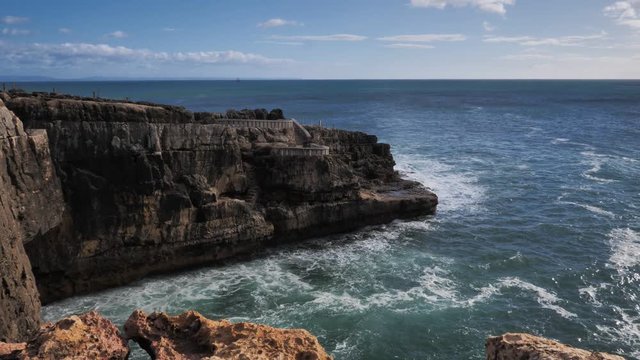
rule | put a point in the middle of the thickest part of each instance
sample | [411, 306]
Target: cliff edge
[153, 188]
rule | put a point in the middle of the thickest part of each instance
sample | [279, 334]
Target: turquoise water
[538, 229]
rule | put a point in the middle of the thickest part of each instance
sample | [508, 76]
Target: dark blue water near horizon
[538, 229]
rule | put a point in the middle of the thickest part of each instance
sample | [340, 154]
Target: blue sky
[331, 39]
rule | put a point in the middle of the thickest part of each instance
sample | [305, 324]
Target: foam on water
[457, 191]
[625, 329]
[547, 299]
[625, 249]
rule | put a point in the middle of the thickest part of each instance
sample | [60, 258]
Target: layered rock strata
[154, 188]
[192, 336]
[515, 346]
[30, 205]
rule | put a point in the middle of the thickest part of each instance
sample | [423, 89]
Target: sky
[328, 39]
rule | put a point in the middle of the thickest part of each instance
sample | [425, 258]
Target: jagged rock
[30, 204]
[515, 346]
[192, 336]
[87, 336]
[153, 188]
[11, 350]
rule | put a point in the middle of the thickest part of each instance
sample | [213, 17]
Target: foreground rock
[30, 204]
[88, 336]
[192, 336]
[153, 188]
[515, 346]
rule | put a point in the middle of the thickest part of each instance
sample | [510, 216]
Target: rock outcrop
[192, 336]
[30, 204]
[87, 336]
[154, 188]
[516, 346]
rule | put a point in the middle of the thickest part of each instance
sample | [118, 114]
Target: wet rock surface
[517, 346]
[192, 336]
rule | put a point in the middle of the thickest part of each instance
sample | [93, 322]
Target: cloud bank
[72, 54]
[493, 6]
[625, 13]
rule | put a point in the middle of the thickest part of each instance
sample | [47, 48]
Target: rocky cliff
[154, 188]
[30, 205]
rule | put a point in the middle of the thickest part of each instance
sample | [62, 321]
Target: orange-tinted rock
[524, 346]
[192, 336]
[87, 336]
[11, 351]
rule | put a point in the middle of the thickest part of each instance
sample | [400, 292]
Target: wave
[626, 330]
[625, 249]
[594, 209]
[457, 191]
[547, 299]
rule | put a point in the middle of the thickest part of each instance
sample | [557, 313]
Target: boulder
[192, 336]
[516, 346]
[87, 336]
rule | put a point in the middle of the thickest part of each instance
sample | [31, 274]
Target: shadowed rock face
[192, 336]
[87, 336]
[153, 188]
[524, 346]
[30, 204]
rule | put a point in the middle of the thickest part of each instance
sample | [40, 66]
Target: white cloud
[169, 29]
[408, 46]
[14, 32]
[334, 37]
[12, 20]
[64, 30]
[287, 43]
[277, 22]
[625, 12]
[424, 38]
[487, 26]
[574, 40]
[71, 54]
[494, 6]
[118, 34]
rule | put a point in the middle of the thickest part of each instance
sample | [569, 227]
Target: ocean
[538, 227]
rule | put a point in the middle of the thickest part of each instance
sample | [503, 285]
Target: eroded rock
[87, 336]
[192, 336]
[517, 346]
[30, 204]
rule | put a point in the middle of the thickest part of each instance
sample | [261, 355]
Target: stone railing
[264, 124]
[313, 150]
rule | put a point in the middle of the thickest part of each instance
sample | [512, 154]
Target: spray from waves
[625, 249]
[457, 191]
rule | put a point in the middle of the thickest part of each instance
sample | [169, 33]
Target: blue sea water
[538, 229]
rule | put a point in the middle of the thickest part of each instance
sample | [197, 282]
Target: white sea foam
[559, 141]
[456, 190]
[595, 161]
[626, 329]
[544, 297]
[625, 249]
[591, 208]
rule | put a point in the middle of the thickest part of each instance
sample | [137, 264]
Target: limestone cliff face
[30, 204]
[154, 188]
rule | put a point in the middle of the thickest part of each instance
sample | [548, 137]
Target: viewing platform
[303, 147]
